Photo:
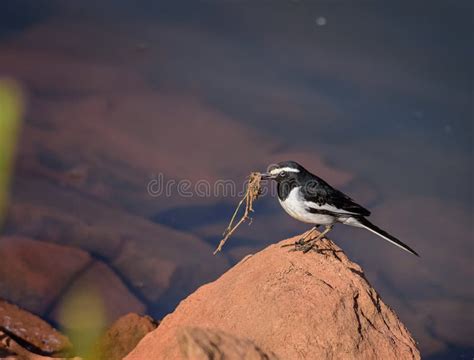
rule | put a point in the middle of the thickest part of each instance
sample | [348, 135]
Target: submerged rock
[34, 273]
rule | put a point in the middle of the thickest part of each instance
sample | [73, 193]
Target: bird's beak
[267, 176]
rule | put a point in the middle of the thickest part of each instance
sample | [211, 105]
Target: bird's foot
[304, 246]
[303, 240]
[307, 245]
[296, 244]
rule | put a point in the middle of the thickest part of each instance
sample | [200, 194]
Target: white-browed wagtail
[310, 199]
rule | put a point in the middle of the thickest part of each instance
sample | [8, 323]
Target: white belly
[296, 208]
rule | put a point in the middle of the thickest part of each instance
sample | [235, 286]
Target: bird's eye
[283, 173]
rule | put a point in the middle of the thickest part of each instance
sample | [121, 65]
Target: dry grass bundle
[252, 193]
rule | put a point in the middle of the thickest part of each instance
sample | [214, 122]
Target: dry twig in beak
[252, 193]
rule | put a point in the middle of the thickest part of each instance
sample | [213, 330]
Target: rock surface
[200, 344]
[33, 273]
[30, 329]
[299, 306]
[97, 283]
[148, 256]
[10, 349]
[124, 335]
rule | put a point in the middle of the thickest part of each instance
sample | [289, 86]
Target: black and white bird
[310, 199]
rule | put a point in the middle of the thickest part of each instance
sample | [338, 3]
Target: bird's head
[285, 170]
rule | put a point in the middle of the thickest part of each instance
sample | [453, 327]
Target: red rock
[10, 349]
[98, 286]
[200, 344]
[33, 273]
[124, 335]
[32, 329]
[58, 226]
[434, 287]
[149, 256]
[300, 306]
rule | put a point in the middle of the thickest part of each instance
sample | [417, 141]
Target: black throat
[285, 186]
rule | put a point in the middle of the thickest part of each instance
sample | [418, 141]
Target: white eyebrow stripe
[287, 169]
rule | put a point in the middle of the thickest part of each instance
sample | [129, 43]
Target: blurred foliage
[84, 320]
[11, 111]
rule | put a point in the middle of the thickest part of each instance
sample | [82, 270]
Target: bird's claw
[308, 247]
[303, 246]
[296, 244]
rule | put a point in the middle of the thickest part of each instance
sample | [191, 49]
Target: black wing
[320, 192]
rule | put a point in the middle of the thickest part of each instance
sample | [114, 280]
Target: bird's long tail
[364, 223]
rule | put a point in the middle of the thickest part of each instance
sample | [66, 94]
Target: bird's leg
[302, 240]
[310, 244]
